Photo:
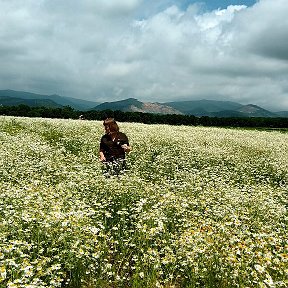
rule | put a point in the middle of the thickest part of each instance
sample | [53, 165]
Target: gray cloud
[111, 50]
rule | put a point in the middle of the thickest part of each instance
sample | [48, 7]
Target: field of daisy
[197, 207]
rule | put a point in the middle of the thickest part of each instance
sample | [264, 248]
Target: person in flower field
[114, 144]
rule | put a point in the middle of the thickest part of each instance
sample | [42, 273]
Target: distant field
[198, 207]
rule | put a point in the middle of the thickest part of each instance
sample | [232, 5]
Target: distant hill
[122, 105]
[133, 105]
[251, 110]
[211, 108]
[203, 107]
[282, 114]
[77, 104]
[13, 101]
[226, 114]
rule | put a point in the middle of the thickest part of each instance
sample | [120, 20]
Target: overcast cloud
[151, 50]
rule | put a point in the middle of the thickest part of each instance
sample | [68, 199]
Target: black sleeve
[102, 146]
[123, 139]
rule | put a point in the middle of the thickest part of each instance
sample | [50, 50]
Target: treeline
[146, 118]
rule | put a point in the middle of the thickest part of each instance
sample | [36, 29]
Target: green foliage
[12, 126]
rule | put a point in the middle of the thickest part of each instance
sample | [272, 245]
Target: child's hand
[124, 146]
[102, 158]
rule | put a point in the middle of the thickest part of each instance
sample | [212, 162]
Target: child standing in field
[113, 146]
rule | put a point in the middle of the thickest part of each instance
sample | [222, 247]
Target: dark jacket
[111, 146]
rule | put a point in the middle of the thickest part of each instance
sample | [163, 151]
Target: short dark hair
[111, 123]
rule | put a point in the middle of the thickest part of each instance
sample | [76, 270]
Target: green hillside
[200, 107]
[123, 105]
[12, 101]
[78, 104]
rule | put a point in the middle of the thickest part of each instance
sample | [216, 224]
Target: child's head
[110, 125]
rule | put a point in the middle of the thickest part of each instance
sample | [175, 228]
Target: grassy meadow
[198, 207]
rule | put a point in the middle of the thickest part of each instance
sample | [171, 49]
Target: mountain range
[210, 108]
[11, 97]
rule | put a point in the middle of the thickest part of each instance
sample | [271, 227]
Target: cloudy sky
[152, 50]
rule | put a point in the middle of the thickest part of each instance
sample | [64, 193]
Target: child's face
[107, 130]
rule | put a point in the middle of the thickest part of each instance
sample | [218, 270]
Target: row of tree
[147, 118]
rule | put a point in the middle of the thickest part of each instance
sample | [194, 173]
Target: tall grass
[198, 207]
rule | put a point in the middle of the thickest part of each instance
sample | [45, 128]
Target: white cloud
[151, 50]
[120, 69]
